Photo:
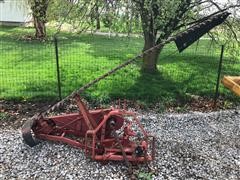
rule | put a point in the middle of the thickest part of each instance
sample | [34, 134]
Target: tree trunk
[40, 28]
[150, 61]
[39, 12]
[98, 23]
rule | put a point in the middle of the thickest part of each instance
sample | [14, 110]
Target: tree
[79, 15]
[39, 13]
[162, 18]
[97, 14]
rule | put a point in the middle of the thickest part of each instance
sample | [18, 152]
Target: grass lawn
[28, 68]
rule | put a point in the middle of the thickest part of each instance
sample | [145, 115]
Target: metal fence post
[219, 74]
[57, 67]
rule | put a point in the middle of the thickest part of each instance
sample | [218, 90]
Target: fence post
[57, 67]
[219, 74]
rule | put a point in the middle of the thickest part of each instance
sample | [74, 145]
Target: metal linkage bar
[219, 18]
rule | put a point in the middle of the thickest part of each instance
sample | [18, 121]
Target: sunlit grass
[28, 68]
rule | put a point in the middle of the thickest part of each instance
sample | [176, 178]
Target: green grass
[28, 69]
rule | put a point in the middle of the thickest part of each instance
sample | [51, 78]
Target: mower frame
[103, 134]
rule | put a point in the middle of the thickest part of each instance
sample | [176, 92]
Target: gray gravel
[189, 146]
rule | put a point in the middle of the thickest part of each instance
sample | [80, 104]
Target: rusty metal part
[104, 134]
[121, 147]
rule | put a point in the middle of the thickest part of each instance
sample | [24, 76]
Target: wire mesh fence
[29, 69]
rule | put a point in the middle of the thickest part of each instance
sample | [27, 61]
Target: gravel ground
[189, 146]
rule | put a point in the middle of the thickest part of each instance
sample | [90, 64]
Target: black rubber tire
[27, 133]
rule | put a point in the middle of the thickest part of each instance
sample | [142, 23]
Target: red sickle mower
[104, 134]
[110, 134]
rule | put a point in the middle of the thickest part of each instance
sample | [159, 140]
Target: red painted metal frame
[92, 131]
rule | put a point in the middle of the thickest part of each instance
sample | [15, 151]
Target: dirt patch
[13, 114]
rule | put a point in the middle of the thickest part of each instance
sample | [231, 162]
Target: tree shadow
[176, 80]
[143, 87]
